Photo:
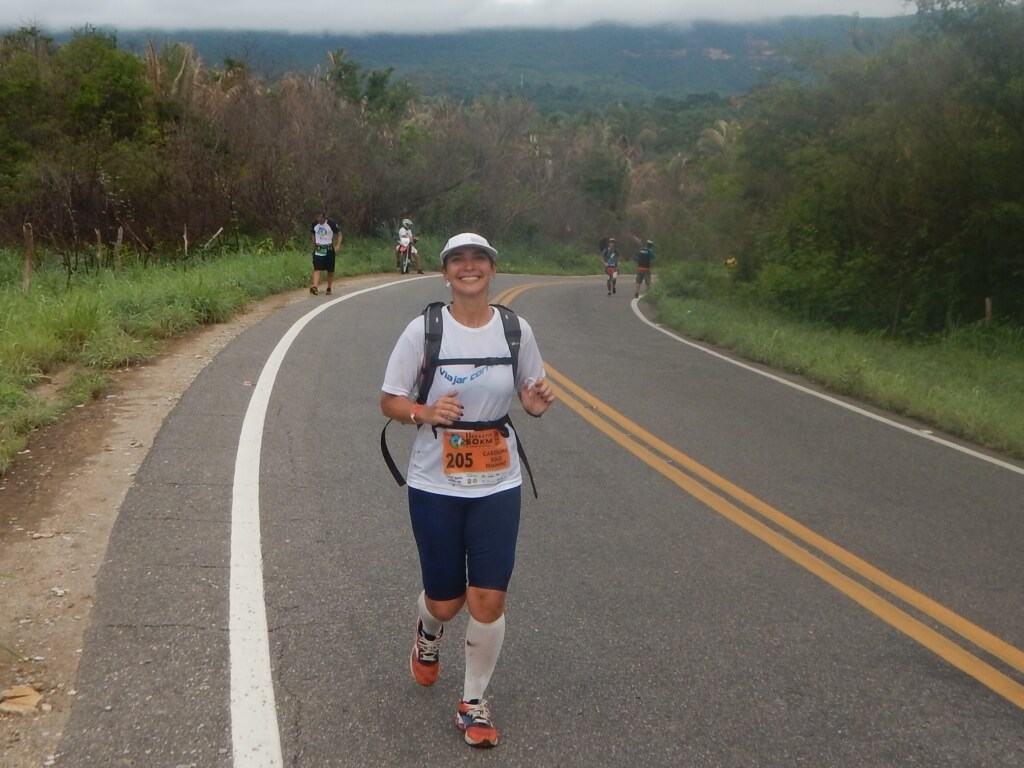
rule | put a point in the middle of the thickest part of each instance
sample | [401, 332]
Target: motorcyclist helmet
[406, 223]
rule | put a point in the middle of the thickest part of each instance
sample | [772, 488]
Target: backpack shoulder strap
[433, 328]
[514, 337]
[513, 334]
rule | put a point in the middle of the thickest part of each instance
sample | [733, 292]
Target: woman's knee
[485, 605]
[445, 610]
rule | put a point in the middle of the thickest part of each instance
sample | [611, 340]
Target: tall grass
[78, 330]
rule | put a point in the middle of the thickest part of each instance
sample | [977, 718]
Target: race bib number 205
[475, 457]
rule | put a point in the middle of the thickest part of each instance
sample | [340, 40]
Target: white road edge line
[889, 422]
[255, 735]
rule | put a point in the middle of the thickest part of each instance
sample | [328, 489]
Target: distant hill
[556, 67]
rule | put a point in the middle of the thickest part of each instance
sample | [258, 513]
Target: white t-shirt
[486, 393]
[323, 233]
[404, 236]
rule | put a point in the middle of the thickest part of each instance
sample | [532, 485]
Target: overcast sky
[359, 16]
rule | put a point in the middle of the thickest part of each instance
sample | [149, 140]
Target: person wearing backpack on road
[464, 475]
[610, 259]
[644, 257]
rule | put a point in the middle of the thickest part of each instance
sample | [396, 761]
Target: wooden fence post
[117, 248]
[30, 253]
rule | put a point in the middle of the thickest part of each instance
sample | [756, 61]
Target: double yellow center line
[802, 545]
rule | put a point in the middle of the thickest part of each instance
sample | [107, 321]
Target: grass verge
[61, 340]
[966, 383]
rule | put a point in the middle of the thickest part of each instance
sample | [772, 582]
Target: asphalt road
[721, 569]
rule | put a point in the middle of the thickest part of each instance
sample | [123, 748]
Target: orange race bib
[477, 457]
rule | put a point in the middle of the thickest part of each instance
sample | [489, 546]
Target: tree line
[877, 189]
[887, 192]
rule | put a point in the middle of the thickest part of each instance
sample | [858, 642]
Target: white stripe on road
[255, 736]
[806, 390]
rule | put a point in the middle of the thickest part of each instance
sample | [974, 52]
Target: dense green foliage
[876, 189]
[885, 194]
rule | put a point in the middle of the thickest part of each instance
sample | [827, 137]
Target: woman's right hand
[445, 410]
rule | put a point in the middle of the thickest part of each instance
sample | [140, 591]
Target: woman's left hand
[536, 395]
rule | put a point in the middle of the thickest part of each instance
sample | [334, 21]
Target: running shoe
[313, 290]
[425, 661]
[474, 719]
[328, 291]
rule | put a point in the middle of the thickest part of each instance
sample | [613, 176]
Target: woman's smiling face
[468, 268]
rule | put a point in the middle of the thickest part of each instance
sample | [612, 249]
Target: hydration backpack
[433, 329]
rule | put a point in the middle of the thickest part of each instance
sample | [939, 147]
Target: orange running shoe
[474, 720]
[425, 661]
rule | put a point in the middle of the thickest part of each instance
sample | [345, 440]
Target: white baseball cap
[468, 240]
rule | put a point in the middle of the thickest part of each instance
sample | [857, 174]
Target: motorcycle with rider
[405, 252]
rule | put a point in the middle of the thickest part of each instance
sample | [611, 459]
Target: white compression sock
[483, 644]
[430, 624]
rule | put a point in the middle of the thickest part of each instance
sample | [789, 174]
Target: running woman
[464, 475]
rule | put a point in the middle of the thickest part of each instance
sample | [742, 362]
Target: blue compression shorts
[465, 541]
